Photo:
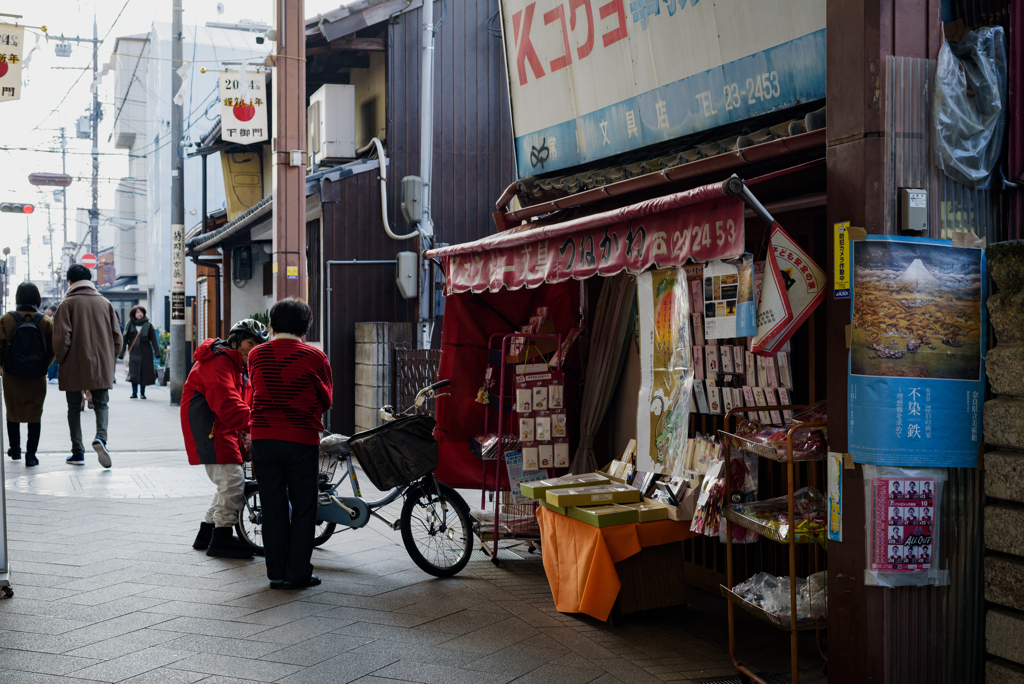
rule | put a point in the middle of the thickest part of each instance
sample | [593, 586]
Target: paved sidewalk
[108, 589]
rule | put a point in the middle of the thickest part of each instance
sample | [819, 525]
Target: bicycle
[399, 456]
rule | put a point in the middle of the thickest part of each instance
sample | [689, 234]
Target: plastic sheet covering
[970, 106]
[397, 453]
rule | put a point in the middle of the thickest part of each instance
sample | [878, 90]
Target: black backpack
[26, 355]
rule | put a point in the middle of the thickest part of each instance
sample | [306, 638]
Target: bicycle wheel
[439, 541]
[250, 520]
[324, 530]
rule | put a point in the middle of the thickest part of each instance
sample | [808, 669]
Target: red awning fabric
[701, 224]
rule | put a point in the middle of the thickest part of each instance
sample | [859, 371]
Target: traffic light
[14, 208]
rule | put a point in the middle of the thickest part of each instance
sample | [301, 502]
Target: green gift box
[557, 509]
[605, 516]
[592, 496]
[649, 510]
[538, 488]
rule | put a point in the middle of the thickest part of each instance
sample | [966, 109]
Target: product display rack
[520, 519]
[793, 626]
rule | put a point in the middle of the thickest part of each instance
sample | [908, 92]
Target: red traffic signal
[14, 208]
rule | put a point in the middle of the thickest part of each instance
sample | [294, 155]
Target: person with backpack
[26, 346]
[86, 341]
[139, 342]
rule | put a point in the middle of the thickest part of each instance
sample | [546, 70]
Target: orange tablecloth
[579, 559]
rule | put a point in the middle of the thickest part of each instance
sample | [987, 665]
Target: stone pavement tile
[516, 660]
[370, 679]
[115, 591]
[607, 679]
[217, 679]
[397, 650]
[377, 616]
[211, 610]
[309, 652]
[294, 632]
[13, 677]
[115, 609]
[341, 669]
[43, 643]
[529, 614]
[230, 666]
[39, 624]
[242, 648]
[164, 675]
[285, 613]
[404, 634]
[190, 594]
[44, 663]
[130, 665]
[40, 607]
[262, 599]
[124, 644]
[413, 671]
[55, 593]
[221, 628]
[558, 673]
[493, 637]
[625, 670]
[577, 642]
[117, 626]
[672, 677]
[462, 622]
[575, 661]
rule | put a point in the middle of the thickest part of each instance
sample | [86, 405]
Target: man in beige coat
[86, 340]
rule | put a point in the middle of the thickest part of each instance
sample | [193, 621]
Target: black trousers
[287, 473]
[14, 437]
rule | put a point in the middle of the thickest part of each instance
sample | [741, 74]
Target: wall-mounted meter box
[412, 199]
[913, 209]
[406, 277]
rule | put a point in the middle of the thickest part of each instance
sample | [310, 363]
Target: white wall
[248, 299]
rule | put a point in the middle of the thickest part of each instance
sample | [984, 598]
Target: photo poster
[903, 510]
[541, 417]
[666, 370]
[917, 366]
[729, 298]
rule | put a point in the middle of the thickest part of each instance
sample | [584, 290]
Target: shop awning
[701, 224]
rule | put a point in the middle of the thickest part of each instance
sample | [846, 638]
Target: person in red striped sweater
[291, 388]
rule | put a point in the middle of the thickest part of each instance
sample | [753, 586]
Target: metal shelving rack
[790, 539]
[524, 528]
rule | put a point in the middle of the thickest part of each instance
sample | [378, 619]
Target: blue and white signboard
[917, 353]
[593, 78]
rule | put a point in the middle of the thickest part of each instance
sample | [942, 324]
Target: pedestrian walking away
[51, 372]
[213, 413]
[140, 341]
[86, 342]
[26, 347]
[291, 389]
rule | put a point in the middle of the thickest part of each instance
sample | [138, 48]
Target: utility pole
[28, 250]
[94, 215]
[426, 225]
[53, 268]
[64, 191]
[177, 323]
[289, 156]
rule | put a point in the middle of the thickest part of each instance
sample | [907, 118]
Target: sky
[34, 121]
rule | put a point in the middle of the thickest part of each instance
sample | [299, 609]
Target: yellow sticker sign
[841, 285]
[292, 273]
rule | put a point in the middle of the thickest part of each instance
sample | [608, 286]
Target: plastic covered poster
[666, 370]
[903, 526]
[729, 298]
[917, 366]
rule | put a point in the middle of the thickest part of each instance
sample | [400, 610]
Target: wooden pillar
[861, 35]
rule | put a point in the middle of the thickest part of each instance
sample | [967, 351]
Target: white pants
[230, 481]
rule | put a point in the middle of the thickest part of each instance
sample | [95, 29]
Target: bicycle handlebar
[439, 385]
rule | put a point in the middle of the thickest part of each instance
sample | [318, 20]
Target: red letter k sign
[524, 46]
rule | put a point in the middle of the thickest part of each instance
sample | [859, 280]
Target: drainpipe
[426, 226]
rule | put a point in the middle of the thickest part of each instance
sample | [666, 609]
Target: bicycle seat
[335, 445]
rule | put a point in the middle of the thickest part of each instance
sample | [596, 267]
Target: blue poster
[917, 364]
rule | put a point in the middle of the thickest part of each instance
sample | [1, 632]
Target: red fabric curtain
[469, 322]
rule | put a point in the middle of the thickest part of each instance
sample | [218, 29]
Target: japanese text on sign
[12, 40]
[243, 109]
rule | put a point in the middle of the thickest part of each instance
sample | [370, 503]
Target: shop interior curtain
[613, 320]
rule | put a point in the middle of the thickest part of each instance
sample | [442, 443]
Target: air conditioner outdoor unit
[331, 124]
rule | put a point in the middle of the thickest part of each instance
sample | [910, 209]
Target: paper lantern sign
[243, 112]
[793, 284]
[12, 39]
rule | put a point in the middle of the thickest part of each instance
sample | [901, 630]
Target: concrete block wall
[1004, 469]
[374, 345]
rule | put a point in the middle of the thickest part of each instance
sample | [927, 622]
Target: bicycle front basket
[398, 452]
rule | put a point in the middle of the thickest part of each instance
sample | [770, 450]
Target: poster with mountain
[917, 343]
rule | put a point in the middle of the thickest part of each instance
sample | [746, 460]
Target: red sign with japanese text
[699, 232]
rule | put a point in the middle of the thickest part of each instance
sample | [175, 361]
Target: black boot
[225, 545]
[202, 541]
[31, 460]
[15, 454]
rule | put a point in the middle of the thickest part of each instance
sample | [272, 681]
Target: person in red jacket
[213, 413]
[291, 389]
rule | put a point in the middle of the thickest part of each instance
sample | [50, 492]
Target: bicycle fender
[339, 515]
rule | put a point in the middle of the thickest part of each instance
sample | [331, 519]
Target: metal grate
[740, 679]
[414, 369]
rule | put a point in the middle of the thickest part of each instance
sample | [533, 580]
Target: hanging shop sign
[841, 281]
[12, 40]
[917, 367]
[701, 232]
[594, 78]
[243, 111]
[666, 370]
[795, 284]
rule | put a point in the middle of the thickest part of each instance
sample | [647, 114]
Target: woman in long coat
[24, 396]
[140, 342]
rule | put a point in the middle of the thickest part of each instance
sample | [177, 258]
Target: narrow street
[107, 588]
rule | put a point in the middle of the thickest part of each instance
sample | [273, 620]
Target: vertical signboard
[841, 282]
[177, 274]
[917, 362]
[12, 39]
[593, 78]
[243, 110]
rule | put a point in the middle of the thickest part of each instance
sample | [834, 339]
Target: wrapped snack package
[771, 594]
[809, 510]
